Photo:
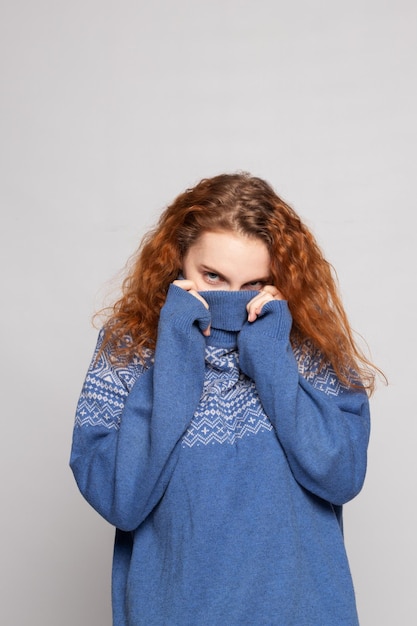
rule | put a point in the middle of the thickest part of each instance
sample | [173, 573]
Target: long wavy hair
[247, 205]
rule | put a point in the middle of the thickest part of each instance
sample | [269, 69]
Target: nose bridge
[234, 280]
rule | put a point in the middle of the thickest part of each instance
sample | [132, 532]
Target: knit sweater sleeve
[125, 441]
[322, 425]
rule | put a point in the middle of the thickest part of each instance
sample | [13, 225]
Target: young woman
[224, 420]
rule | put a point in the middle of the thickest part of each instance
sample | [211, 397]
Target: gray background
[110, 109]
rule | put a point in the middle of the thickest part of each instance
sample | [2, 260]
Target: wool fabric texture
[223, 462]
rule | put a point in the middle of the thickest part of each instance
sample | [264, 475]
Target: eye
[254, 285]
[212, 277]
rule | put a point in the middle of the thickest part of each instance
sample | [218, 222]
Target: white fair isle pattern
[321, 377]
[229, 408]
[105, 390]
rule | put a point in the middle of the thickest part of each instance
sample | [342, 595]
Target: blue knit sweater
[223, 463]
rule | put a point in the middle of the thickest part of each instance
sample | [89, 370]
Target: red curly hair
[247, 205]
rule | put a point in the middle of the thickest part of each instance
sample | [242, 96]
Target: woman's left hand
[267, 293]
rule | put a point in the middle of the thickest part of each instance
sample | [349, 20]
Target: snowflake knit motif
[229, 408]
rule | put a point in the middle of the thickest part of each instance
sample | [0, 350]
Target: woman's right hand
[189, 285]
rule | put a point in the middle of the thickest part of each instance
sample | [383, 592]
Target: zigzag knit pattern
[238, 411]
[321, 376]
[229, 408]
[106, 388]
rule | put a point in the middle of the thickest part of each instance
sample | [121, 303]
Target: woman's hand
[267, 293]
[189, 285]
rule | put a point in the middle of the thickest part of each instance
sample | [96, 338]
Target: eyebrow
[211, 270]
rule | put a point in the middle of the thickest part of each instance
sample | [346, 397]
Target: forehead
[227, 251]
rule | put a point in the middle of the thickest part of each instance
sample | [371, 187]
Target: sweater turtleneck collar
[228, 314]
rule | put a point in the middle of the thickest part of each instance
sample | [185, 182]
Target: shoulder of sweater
[316, 369]
[106, 366]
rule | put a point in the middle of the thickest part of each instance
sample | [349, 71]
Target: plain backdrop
[108, 110]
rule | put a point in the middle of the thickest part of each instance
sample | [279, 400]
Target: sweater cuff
[273, 321]
[183, 309]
